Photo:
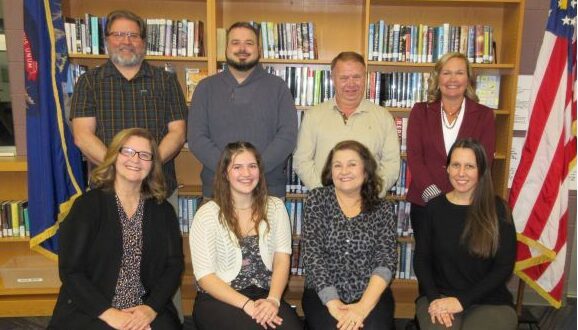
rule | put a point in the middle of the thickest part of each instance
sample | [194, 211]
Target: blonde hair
[103, 175]
[433, 92]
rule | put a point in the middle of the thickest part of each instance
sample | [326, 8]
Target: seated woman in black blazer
[120, 254]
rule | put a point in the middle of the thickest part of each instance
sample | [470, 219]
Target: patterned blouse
[129, 288]
[340, 254]
[253, 270]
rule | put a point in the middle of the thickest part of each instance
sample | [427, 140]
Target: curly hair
[104, 175]
[372, 183]
[433, 92]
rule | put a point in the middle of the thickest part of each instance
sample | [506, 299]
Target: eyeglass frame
[132, 153]
[118, 35]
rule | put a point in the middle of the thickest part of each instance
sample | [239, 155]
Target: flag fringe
[545, 254]
[543, 293]
[35, 241]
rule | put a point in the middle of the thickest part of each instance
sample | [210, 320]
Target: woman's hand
[141, 317]
[352, 316]
[266, 313]
[333, 306]
[115, 318]
[442, 310]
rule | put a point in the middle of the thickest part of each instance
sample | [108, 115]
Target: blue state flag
[54, 162]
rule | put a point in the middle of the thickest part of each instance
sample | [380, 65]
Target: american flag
[539, 195]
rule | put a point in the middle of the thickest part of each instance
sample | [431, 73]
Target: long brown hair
[372, 183]
[103, 175]
[481, 233]
[433, 91]
[223, 198]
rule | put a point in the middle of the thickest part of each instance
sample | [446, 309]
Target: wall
[14, 28]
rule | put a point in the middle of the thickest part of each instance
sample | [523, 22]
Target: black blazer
[90, 255]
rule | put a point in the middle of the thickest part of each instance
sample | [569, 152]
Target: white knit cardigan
[215, 250]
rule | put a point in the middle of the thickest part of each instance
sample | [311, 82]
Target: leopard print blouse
[341, 254]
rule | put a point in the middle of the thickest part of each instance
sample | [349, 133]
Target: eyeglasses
[130, 152]
[132, 36]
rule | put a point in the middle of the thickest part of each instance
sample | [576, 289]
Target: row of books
[397, 89]
[402, 210]
[309, 86]
[188, 206]
[294, 184]
[401, 127]
[293, 41]
[168, 37]
[425, 43]
[295, 211]
[14, 220]
[405, 255]
[399, 189]
[404, 89]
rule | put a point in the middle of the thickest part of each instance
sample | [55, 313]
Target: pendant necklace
[446, 122]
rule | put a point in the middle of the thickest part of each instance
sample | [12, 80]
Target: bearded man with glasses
[126, 92]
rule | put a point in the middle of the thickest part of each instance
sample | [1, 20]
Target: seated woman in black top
[349, 246]
[467, 249]
[120, 254]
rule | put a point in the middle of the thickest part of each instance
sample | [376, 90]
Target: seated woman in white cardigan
[240, 249]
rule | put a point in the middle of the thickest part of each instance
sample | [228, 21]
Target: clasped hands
[135, 318]
[264, 312]
[348, 316]
[442, 310]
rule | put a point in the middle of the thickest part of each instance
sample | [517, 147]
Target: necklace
[446, 122]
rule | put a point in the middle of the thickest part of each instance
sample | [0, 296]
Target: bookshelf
[339, 25]
[16, 301]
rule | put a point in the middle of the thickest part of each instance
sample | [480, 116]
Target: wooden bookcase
[339, 25]
[19, 301]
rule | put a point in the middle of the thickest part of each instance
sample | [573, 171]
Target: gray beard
[134, 60]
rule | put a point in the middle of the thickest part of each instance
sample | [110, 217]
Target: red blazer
[426, 153]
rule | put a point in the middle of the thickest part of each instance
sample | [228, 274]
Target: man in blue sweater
[246, 103]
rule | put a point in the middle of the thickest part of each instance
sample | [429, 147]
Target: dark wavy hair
[103, 175]
[433, 92]
[222, 189]
[372, 183]
[481, 233]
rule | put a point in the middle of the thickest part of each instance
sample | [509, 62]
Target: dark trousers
[317, 315]
[210, 313]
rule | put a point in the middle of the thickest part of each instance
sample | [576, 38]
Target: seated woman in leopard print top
[349, 245]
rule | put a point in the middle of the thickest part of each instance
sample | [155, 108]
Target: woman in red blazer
[451, 113]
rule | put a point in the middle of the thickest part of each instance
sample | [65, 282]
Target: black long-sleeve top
[90, 254]
[444, 266]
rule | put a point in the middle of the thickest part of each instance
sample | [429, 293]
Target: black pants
[210, 313]
[317, 315]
